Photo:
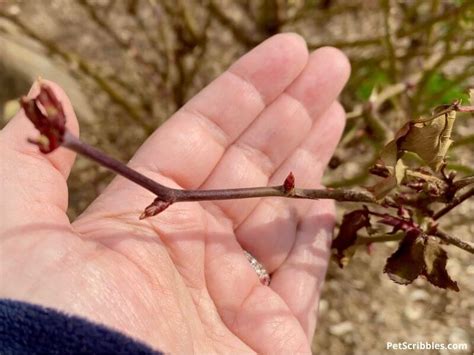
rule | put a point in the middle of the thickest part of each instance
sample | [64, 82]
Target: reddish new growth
[289, 183]
[46, 113]
[157, 206]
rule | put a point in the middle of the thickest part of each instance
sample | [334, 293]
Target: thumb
[34, 184]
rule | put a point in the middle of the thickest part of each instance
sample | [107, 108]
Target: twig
[461, 183]
[454, 12]
[239, 33]
[170, 195]
[401, 33]
[382, 238]
[75, 144]
[389, 40]
[104, 25]
[454, 241]
[126, 45]
[465, 109]
[453, 107]
[455, 202]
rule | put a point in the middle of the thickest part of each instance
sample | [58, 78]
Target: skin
[179, 281]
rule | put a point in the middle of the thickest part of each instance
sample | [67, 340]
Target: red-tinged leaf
[407, 263]
[289, 183]
[351, 223]
[45, 111]
[157, 206]
[398, 223]
[404, 213]
[435, 259]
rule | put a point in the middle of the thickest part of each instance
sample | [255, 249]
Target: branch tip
[156, 207]
[47, 115]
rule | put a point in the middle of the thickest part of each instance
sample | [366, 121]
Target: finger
[189, 145]
[253, 312]
[34, 184]
[279, 130]
[299, 280]
[269, 231]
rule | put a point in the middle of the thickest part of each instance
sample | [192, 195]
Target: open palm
[180, 281]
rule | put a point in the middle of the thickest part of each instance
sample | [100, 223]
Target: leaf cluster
[412, 190]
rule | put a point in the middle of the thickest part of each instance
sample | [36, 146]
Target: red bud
[46, 113]
[289, 183]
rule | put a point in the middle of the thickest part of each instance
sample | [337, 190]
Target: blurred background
[132, 63]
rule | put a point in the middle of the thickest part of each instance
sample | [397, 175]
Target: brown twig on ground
[239, 33]
[85, 68]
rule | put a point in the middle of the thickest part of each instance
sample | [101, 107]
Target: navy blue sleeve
[30, 329]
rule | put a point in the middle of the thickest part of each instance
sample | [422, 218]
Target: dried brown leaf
[435, 259]
[390, 153]
[352, 222]
[407, 263]
[400, 170]
[430, 140]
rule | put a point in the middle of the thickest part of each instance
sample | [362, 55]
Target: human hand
[179, 281]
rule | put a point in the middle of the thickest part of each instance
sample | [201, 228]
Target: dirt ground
[360, 309]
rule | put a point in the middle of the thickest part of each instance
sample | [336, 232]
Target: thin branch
[343, 195]
[454, 241]
[454, 203]
[75, 144]
[126, 45]
[91, 10]
[455, 106]
[239, 33]
[175, 195]
[382, 238]
[401, 33]
[454, 12]
[389, 40]
[462, 183]
[465, 109]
